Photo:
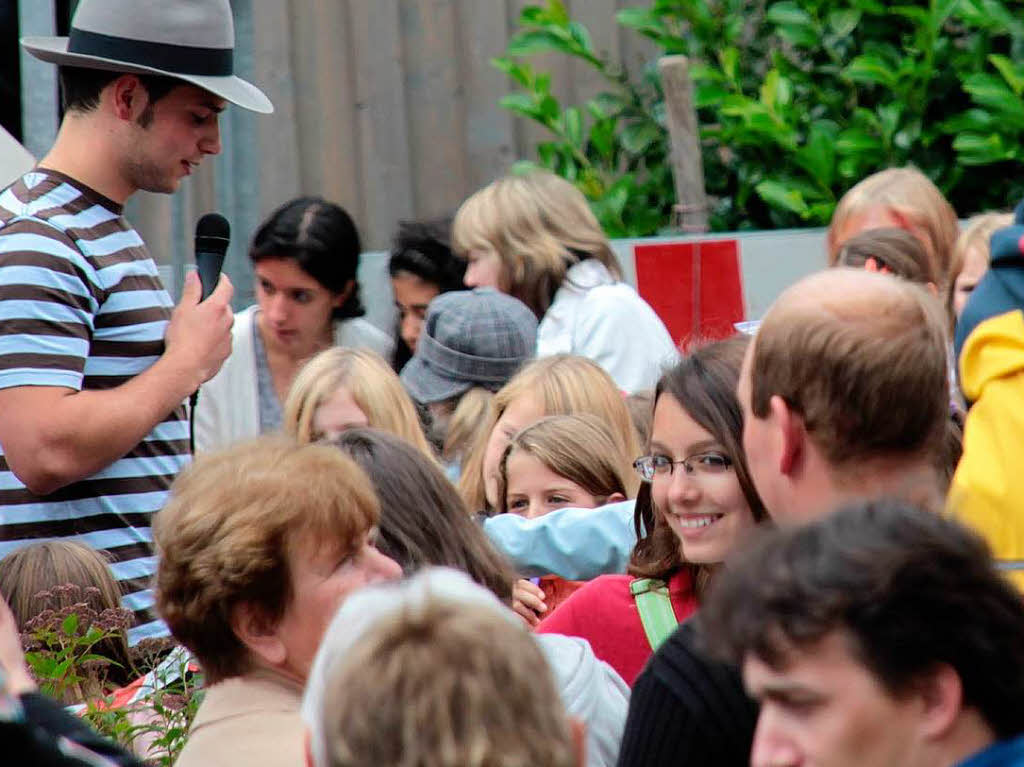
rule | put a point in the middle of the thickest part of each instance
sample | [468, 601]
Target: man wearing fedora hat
[94, 365]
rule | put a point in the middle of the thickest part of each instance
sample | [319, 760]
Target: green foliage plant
[64, 650]
[797, 101]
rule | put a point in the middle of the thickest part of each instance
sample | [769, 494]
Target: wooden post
[687, 165]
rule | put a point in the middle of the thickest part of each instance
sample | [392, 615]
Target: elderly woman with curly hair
[258, 547]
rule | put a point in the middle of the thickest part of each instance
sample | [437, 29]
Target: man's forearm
[53, 437]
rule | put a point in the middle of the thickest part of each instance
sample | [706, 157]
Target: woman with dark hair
[305, 257]
[696, 504]
[423, 519]
[422, 266]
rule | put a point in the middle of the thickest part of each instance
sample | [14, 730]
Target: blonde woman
[534, 236]
[560, 385]
[970, 258]
[903, 198]
[341, 389]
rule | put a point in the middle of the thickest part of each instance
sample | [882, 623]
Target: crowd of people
[524, 525]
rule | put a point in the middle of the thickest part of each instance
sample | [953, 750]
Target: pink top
[604, 613]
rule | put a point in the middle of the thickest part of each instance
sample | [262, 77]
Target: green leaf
[789, 12]
[992, 92]
[534, 41]
[844, 21]
[818, 155]
[69, 626]
[608, 104]
[557, 12]
[573, 123]
[854, 141]
[636, 138]
[708, 94]
[972, 121]
[940, 11]
[779, 195]
[975, 149]
[870, 70]
[1011, 73]
[641, 20]
[602, 138]
[581, 35]
[520, 103]
[729, 58]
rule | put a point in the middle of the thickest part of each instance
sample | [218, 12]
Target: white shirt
[596, 317]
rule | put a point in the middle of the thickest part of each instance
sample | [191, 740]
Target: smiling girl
[697, 504]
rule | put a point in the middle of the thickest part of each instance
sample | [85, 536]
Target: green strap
[655, 608]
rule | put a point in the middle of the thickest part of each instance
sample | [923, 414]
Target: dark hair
[80, 87]
[321, 238]
[423, 520]
[895, 249]
[910, 589]
[424, 249]
[704, 385]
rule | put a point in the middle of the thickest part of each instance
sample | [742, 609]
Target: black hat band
[180, 59]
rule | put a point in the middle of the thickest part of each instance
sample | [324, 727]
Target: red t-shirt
[604, 613]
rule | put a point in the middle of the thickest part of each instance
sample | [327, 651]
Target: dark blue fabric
[1007, 753]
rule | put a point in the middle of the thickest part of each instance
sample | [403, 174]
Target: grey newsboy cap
[470, 338]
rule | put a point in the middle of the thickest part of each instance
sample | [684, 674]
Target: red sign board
[695, 287]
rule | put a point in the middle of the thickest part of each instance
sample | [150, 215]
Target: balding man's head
[860, 358]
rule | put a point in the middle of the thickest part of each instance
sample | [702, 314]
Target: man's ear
[791, 434]
[942, 696]
[258, 634]
[578, 731]
[129, 97]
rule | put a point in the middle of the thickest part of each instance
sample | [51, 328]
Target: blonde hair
[372, 384]
[234, 521]
[976, 234]
[465, 423]
[564, 384]
[32, 580]
[538, 225]
[580, 448]
[910, 197]
[442, 683]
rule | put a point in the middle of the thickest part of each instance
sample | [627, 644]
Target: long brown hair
[423, 521]
[704, 385]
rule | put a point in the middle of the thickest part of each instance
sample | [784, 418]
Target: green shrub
[797, 101]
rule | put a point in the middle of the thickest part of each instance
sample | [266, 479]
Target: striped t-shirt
[82, 307]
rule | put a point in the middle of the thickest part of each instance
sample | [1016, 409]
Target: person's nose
[771, 747]
[210, 142]
[277, 309]
[684, 487]
[410, 330]
[472, 277]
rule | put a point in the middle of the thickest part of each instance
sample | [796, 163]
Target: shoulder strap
[655, 608]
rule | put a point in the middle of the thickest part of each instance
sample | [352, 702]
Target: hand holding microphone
[199, 333]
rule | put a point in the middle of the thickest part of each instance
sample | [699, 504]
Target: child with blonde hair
[559, 385]
[970, 258]
[342, 388]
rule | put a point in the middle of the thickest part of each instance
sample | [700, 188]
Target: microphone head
[213, 233]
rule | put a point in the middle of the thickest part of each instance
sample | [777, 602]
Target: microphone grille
[213, 225]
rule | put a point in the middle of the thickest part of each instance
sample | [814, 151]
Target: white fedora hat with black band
[191, 40]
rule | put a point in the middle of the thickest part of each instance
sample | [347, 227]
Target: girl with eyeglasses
[696, 504]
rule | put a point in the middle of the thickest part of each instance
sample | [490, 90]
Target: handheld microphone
[213, 233]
